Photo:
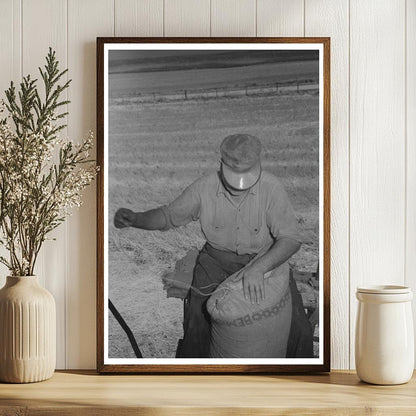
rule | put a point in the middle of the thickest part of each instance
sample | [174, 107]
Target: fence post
[297, 86]
[186, 95]
[277, 87]
[216, 92]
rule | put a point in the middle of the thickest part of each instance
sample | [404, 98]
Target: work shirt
[262, 216]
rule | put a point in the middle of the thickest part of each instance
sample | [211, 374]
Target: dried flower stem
[37, 194]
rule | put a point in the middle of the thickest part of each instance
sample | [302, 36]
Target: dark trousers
[213, 267]
[300, 342]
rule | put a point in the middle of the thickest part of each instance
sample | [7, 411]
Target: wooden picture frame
[139, 84]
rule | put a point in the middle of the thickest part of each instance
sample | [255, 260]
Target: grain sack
[242, 330]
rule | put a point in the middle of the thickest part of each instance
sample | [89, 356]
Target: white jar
[384, 337]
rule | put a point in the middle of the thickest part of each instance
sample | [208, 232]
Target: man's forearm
[153, 219]
[279, 252]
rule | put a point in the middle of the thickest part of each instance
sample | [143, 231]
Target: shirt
[260, 218]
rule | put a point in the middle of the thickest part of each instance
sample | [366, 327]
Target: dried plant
[42, 176]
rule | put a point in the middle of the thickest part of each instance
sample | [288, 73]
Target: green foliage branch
[42, 176]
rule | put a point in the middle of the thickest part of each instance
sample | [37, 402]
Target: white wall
[373, 132]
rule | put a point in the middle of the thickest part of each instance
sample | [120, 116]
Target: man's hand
[253, 274]
[253, 283]
[124, 218]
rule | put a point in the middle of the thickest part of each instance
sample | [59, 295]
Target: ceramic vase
[27, 331]
[384, 342]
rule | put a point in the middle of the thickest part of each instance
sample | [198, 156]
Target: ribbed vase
[27, 331]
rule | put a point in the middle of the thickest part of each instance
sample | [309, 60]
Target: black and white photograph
[213, 204]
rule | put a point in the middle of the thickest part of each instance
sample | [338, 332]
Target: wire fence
[296, 86]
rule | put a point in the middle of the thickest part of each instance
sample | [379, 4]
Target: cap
[240, 156]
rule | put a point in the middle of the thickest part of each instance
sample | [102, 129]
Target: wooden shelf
[86, 393]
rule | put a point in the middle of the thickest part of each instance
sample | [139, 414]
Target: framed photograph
[213, 205]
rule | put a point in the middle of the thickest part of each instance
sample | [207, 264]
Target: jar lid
[384, 289]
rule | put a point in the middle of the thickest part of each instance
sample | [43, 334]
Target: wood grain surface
[10, 65]
[281, 18]
[377, 149]
[373, 72]
[85, 18]
[410, 258]
[84, 392]
[51, 265]
[138, 17]
[233, 18]
[330, 18]
[187, 18]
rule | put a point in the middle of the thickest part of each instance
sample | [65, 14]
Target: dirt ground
[155, 151]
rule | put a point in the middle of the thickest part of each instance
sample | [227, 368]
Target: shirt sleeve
[280, 216]
[184, 209]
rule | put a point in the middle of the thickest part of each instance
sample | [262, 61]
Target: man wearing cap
[242, 211]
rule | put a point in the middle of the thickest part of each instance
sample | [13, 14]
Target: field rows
[158, 149]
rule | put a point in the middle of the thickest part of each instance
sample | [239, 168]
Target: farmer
[242, 209]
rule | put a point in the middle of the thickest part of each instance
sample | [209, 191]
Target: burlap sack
[242, 330]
